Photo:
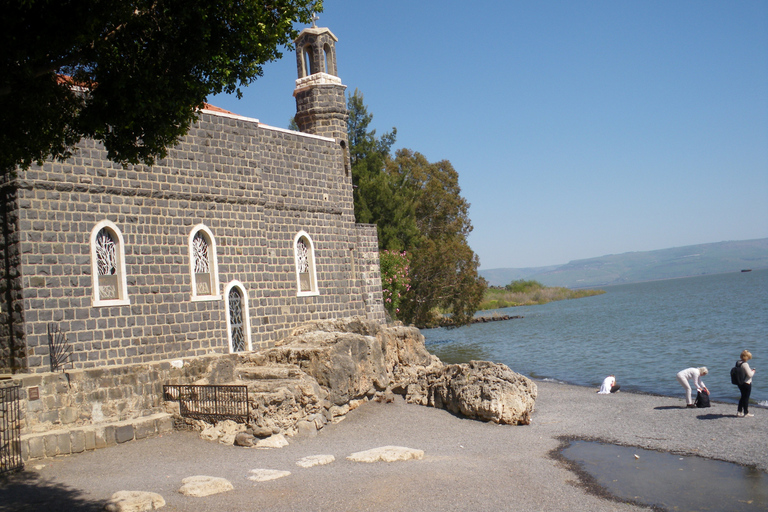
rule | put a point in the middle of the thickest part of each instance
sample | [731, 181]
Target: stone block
[36, 447]
[68, 415]
[105, 437]
[164, 425]
[77, 441]
[124, 433]
[90, 439]
[63, 444]
[51, 446]
[144, 428]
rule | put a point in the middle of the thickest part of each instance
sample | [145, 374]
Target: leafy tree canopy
[129, 73]
[417, 207]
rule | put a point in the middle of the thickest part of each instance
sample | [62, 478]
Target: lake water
[643, 333]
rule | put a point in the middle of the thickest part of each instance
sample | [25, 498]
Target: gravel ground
[468, 465]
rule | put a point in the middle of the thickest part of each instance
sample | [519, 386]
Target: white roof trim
[292, 132]
[230, 116]
[266, 126]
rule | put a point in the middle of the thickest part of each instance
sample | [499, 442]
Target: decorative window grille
[236, 320]
[306, 278]
[200, 251]
[107, 254]
[301, 257]
[106, 262]
[202, 264]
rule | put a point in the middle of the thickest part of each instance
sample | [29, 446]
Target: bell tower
[321, 107]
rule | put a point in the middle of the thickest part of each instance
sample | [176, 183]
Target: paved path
[468, 465]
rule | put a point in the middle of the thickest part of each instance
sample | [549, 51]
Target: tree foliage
[129, 73]
[395, 279]
[443, 267]
[418, 208]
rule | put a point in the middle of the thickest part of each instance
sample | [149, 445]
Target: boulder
[134, 501]
[275, 441]
[387, 454]
[201, 485]
[224, 432]
[479, 390]
[345, 363]
[245, 439]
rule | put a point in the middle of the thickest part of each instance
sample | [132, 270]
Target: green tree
[129, 73]
[417, 207]
[443, 267]
[378, 199]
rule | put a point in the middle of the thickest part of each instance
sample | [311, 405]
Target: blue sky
[578, 129]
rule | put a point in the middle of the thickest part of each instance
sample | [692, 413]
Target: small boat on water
[746, 270]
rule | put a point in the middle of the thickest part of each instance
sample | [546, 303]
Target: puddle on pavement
[674, 482]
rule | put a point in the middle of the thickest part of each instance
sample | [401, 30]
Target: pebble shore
[467, 465]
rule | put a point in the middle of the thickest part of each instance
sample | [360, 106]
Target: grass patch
[529, 293]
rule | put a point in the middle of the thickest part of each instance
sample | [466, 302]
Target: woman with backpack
[694, 374]
[745, 384]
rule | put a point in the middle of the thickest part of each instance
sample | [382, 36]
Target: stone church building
[243, 232]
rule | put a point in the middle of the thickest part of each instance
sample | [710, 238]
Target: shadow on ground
[27, 492]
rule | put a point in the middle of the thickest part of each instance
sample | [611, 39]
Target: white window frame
[246, 315]
[212, 261]
[313, 288]
[122, 280]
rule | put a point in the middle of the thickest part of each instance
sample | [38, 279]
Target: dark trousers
[746, 390]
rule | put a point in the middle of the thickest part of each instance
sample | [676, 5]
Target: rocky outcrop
[478, 389]
[325, 369]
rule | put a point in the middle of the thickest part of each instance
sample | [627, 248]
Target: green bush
[523, 286]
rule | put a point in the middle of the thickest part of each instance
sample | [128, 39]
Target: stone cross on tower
[315, 17]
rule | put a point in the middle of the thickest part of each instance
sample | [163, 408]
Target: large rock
[387, 454]
[134, 501]
[202, 485]
[345, 357]
[323, 369]
[478, 389]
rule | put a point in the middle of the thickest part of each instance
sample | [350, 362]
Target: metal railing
[10, 429]
[210, 403]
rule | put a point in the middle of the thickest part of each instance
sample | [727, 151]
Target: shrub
[395, 281]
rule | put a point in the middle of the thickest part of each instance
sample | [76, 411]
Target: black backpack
[737, 374]
[702, 400]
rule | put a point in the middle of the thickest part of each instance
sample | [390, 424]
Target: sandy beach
[467, 465]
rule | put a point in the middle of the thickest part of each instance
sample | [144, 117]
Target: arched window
[203, 266]
[110, 287]
[330, 64]
[238, 322]
[309, 67]
[306, 274]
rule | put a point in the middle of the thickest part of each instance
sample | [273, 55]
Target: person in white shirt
[746, 386]
[694, 374]
[609, 386]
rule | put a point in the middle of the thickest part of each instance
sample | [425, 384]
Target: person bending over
[694, 374]
[609, 386]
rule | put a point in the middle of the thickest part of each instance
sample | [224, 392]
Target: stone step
[92, 437]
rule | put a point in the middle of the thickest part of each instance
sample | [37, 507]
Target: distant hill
[632, 267]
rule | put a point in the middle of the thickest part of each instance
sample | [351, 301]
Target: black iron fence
[210, 403]
[10, 429]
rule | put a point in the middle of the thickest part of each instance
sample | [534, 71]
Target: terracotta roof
[208, 106]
